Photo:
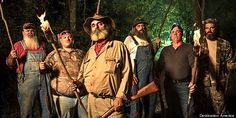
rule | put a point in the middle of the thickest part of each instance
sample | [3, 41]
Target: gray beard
[98, 35]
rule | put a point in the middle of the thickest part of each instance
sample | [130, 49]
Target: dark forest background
[71, 14]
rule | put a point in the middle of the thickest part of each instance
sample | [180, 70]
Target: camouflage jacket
[223, 55]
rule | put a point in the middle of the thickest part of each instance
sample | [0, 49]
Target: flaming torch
[47, 30]
[51, 38]
[197, 51]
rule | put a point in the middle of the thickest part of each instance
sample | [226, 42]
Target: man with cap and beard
[31, 81]
[142, 55]
[215, 61]
[106, 68]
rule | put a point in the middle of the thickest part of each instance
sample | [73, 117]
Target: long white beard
[31, 43]
[99, 34]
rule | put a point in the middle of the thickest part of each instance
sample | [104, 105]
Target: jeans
[177, 100]
[67, 106]
[30, 90]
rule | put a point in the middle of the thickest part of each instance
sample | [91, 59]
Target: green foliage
[153, 11]
[122, 11]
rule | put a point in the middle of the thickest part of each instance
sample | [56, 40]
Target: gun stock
[148, 89]
[107, 113]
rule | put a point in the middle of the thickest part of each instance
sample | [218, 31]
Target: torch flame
[47, 30]
[196, 37]
[41, 17]
[45, 26]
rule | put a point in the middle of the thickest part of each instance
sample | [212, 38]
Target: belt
[180, 81]
[101, 95]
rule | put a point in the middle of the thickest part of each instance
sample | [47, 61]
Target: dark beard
[211, 36]
[141, 34]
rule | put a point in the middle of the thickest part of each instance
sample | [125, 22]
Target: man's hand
[158, 40]
[192, 87]
[42, 65]
[13, 53]
[231, 65]
[117, 104]
[78, 84]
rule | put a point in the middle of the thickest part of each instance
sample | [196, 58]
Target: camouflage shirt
[72, 61]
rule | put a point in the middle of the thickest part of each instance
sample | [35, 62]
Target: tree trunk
[198, 11]
[72, 12]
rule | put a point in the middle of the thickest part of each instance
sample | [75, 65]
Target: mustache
[99, 34]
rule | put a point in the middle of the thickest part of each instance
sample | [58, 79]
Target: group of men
[111, 72]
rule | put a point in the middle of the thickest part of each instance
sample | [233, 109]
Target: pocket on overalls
[34, 66]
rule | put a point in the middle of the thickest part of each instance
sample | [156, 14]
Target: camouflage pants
[216, 97]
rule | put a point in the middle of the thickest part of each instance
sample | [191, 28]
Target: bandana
[64, 35]
[99, 45]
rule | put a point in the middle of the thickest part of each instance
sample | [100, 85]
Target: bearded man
[106, 68]
[31, 81]
[142, 57]
[214, 63]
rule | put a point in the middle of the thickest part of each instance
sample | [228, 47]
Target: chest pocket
[110, 65]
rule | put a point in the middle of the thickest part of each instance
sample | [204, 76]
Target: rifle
[146, 90]
[107, 113]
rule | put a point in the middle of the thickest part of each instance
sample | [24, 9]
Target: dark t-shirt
[177, 63]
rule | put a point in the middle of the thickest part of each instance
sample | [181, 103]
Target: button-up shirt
[108, 72]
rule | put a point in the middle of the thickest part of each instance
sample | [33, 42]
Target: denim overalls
[144, 68]
[33, 86]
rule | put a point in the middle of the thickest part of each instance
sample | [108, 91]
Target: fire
[47, 30]
[45, 26]
[41, 18]
[196, 35]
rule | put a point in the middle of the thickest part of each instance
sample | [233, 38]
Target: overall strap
[135, 41]
[23, 45]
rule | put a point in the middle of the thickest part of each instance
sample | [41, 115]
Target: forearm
[10, 61]
[146, 90]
